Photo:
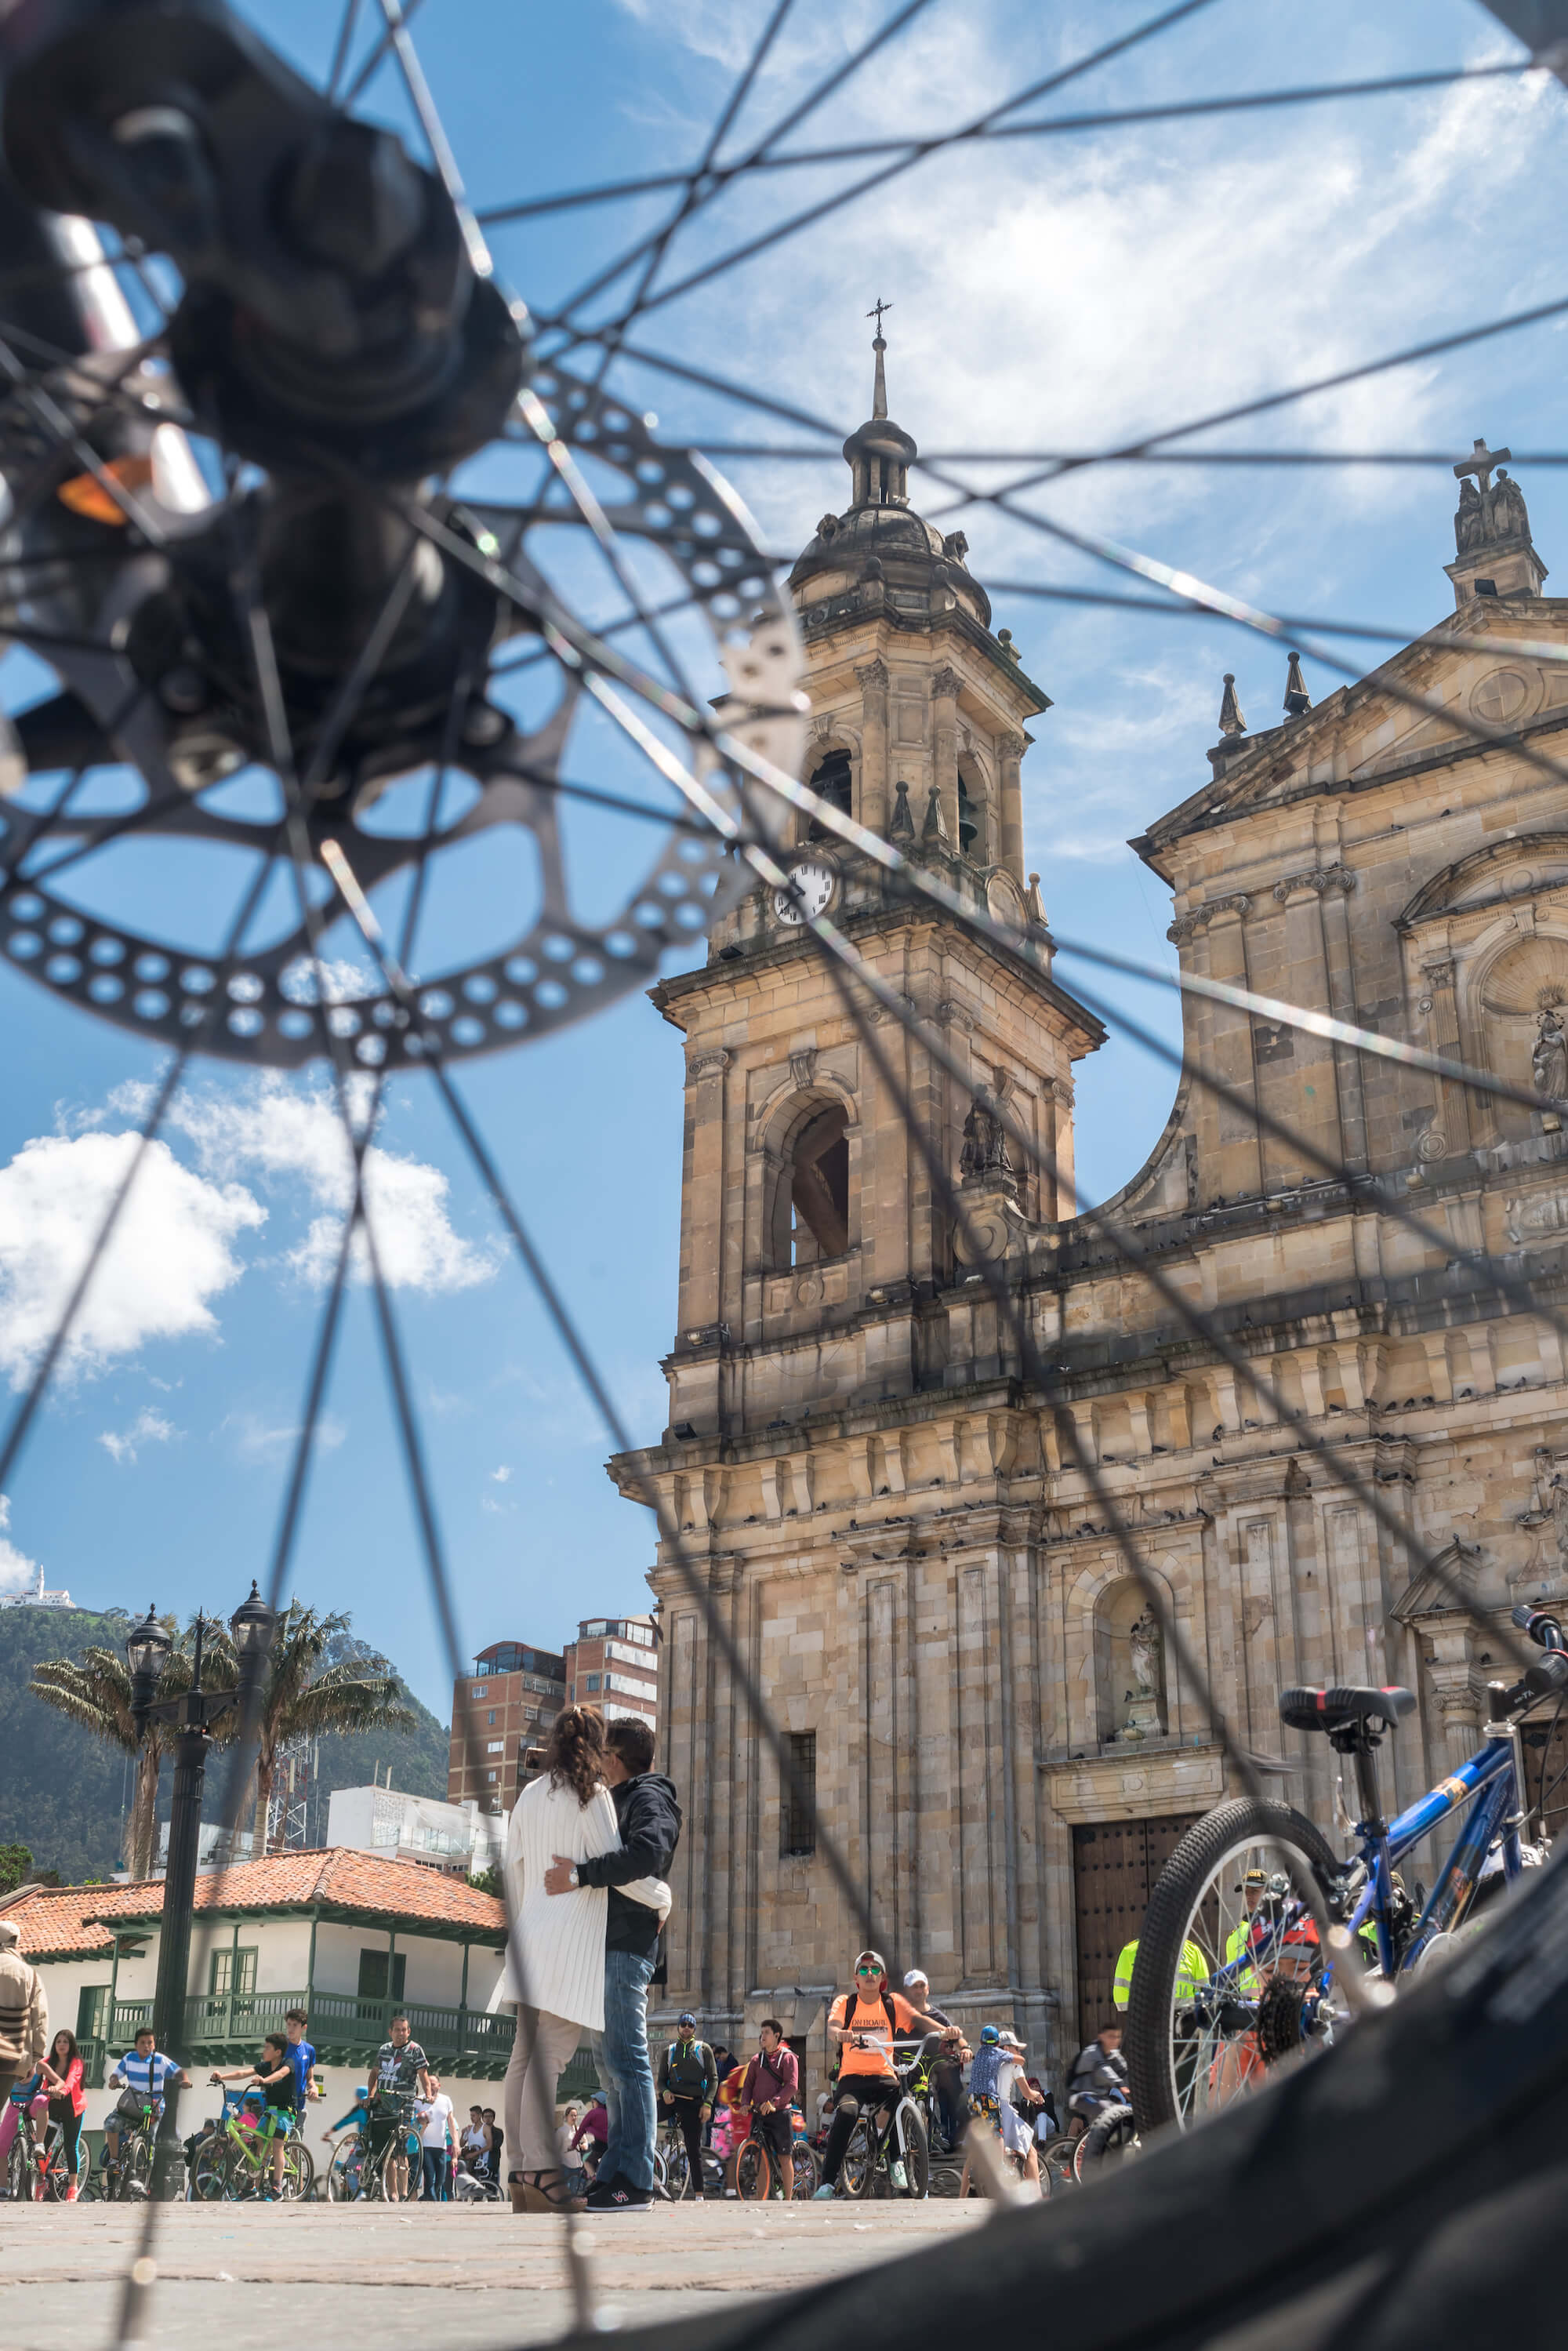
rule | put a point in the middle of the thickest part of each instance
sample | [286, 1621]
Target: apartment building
[500, 1714]
[614, 1665]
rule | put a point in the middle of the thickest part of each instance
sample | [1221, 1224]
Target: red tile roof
[61, 1922]
[56, 1921]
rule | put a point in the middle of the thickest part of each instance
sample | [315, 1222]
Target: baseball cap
[1253, 1877]
[989, 2032]
[915, 1975]
[685, 2017]
[874, 1957]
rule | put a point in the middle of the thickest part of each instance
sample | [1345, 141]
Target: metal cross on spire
[1480, 465]
[879, 390]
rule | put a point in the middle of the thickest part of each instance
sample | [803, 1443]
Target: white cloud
[173, 1251]
[270, 1132]
[16, 1570]
[149, 1427]
[257, 1440]
[502, 1475]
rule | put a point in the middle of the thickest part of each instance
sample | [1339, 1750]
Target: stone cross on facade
[1481, 464]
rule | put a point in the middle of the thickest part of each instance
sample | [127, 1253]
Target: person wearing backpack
[865, 2024]
[688, 2083]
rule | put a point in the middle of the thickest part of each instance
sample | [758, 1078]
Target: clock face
[814, 880]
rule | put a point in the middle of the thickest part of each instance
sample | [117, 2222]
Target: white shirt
[437, 2115]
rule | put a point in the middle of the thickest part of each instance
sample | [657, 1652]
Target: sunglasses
[868, 1971]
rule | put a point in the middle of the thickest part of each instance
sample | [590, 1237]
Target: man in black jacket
[688, 2084]
[650, 1821]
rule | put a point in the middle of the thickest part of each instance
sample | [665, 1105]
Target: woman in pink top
[66, 2084]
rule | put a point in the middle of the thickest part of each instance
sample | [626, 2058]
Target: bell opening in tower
[818, 1178]
[831, 783]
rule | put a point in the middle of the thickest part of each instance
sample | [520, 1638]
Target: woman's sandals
[543, 2191]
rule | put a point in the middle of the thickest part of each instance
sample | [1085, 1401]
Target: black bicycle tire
[16, 2174]
[299, 2158]
[1164, 1930]
[753, 2161]
[917, 2151]
[338, 2168]
[807, 2170]
[1106, 2131]
[856, 2182]
[1056, 2156]
[213, 2165]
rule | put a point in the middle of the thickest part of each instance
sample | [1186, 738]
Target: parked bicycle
[1257, 1888]
[237, 2161]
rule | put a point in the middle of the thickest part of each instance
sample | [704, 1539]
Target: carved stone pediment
[1446, 1586]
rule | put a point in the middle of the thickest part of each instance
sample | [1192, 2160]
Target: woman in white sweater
[567, 1811]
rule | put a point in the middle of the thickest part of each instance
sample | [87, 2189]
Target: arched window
[811, 1202]
[971, 817]
[831, 783]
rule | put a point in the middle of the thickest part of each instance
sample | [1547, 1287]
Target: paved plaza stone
[238, 2276]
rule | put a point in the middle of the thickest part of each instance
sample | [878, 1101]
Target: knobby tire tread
[1160, 1938]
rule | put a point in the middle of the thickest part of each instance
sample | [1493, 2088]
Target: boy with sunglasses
[864, 2023]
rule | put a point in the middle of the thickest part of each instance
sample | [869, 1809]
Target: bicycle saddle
[1330, 1709]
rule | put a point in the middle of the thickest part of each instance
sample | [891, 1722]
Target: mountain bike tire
[299, 2173]
[1366, 2199]
[753, 2172]
[1109, 2138]
[1148, 2038]
[344, 2181]
[18, 2176]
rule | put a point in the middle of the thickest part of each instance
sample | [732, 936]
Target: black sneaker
[624, 2198]
[599, 2195]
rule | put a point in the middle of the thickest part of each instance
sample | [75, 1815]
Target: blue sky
[1069, 292]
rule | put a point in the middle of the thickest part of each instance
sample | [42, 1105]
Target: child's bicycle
[36, 2168]
[1249, 1884]
[126, 2177]
[237, 2161]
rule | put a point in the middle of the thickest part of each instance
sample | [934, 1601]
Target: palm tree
[95, 1692]
[302, 1698]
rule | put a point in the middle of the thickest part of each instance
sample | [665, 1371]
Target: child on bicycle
[275, 2076]
[142, 2075]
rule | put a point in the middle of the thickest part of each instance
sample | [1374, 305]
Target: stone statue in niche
[985, 1154]
[1145, 1647]
[1549, 1056]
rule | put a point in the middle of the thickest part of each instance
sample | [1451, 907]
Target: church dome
[879, 535]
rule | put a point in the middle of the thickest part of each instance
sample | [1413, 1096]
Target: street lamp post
[192, 1716]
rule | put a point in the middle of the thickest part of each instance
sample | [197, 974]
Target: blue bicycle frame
[1492, 1774]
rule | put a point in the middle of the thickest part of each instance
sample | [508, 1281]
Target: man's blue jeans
[620, 2051]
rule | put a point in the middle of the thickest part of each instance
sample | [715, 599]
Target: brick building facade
[511, 1697]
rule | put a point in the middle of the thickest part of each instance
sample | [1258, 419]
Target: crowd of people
[590, 1845]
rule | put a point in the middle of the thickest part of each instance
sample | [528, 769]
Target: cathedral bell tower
[813, 1257]
[851, 1453]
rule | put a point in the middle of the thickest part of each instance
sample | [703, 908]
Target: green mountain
[65, 1794]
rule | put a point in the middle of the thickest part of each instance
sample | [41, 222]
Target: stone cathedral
[930, 1598]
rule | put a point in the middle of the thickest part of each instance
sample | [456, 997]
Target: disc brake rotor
[261, 1005]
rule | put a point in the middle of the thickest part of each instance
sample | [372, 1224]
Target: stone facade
[871, 1492]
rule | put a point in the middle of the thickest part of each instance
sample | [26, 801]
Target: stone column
[1009, 851]
[1334, 916]
[702, 1210]
[1299, 1086]
[1450, 1128]
[874, 810]
[1230, 1046]
[944, 746]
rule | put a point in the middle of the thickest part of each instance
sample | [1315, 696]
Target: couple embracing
[588, 1847]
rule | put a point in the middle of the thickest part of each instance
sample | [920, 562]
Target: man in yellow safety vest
[1250, 1889]
[1194, 1970]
